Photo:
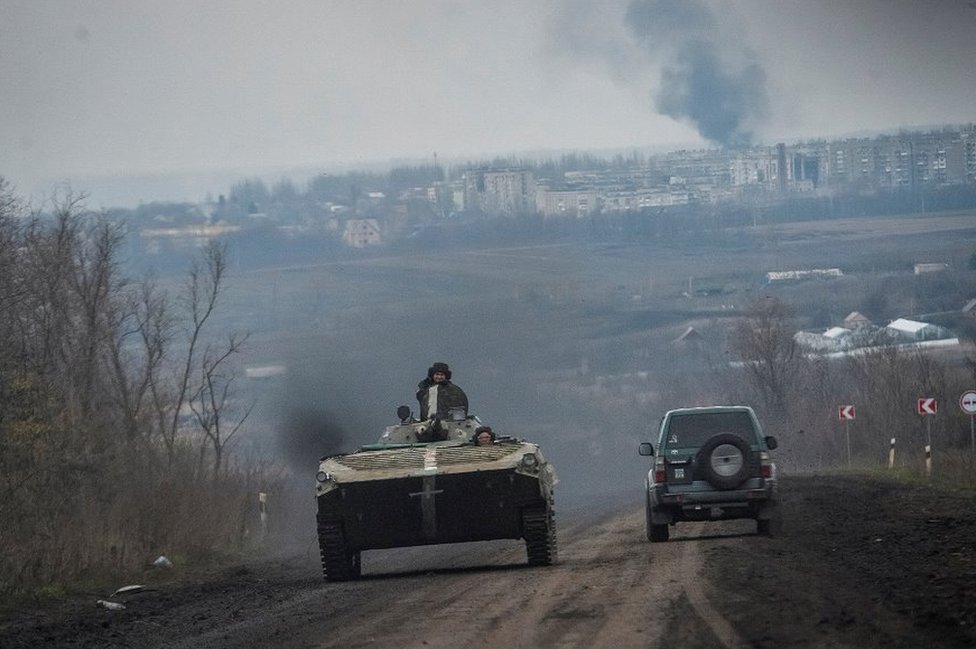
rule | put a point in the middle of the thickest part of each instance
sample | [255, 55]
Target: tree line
[116, 405]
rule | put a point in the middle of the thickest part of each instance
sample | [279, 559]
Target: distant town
[908, 172]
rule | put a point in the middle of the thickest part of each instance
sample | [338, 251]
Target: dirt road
[861, 563]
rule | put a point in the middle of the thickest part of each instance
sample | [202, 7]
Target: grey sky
[134, 87]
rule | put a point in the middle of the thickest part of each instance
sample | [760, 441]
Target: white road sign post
[968, 404]
[846, 414]
[928, 406]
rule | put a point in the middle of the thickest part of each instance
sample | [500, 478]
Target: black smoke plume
[308, 434]
[704, 80]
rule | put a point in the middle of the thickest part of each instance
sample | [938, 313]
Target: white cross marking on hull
[427, 505]
[430, 459]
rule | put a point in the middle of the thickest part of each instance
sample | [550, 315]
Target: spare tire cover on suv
[725, 460]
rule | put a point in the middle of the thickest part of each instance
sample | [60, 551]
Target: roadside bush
[100, 472]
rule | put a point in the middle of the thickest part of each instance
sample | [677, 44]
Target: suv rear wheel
[769, 526]
[764, 527]
[658, 533]
[655, 533]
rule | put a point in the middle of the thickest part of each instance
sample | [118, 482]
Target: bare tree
[204, 286]
[212, 400]
[764, 343]
[203, 382]
[64, 321]
[144, 333]
[9, 209]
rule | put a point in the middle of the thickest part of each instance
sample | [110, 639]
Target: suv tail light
[766, 466]
[660, 473]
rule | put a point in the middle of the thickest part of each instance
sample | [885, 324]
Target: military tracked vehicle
[427, 482]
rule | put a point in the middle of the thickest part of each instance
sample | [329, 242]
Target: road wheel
[338, 563]
[357, 565]
[726, 460]
[658, 533]
[655, 533]
[539, 531]
[769, 526]
[647, 518]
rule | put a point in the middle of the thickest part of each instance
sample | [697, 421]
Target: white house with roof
[903, 333]
[914, 331]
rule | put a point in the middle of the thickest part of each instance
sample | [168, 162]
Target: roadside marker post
[967, 401]
[263, 505]
[846, 413]
[891, 454]
[928, 406]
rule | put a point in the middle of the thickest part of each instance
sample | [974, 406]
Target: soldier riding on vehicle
[438, 397]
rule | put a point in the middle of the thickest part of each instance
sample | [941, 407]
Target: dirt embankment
[861, 563]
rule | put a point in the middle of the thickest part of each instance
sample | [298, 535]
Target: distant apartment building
[710, 166]
[755, 167]
[636, 200]
[445, 198]
[500, 192]
[805, 168]
[780, 168]
[711, 176]
[903, 161]
[569, 203]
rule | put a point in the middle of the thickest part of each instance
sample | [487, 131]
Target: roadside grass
[94, 585]
[100, 542]
[950, 472]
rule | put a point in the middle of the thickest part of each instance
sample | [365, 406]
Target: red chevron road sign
[927, 406]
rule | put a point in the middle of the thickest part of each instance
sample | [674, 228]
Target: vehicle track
[611, 588]
[691, 565]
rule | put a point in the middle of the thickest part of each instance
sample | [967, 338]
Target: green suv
[712, 463]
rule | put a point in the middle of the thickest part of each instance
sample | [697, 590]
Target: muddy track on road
[861, 563]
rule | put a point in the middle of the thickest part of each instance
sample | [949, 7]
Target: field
[569, 343]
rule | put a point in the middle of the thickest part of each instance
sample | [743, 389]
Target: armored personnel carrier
[427, 482]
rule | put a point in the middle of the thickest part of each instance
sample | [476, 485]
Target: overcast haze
[103, 88]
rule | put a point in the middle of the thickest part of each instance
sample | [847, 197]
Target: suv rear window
[694, 429]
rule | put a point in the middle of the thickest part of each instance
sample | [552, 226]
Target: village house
[360, 233]
[913, 331]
